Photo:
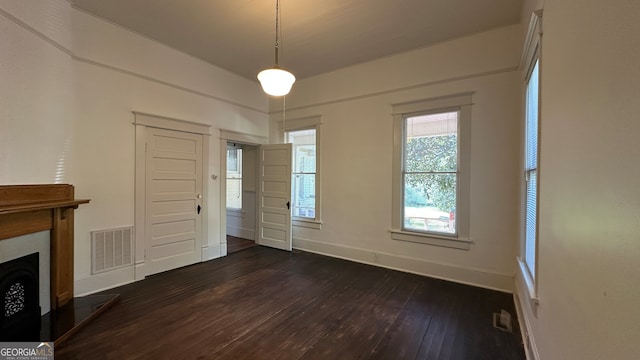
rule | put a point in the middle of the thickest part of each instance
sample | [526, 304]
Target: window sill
[307, 223]
[431, 239]
[529, 283]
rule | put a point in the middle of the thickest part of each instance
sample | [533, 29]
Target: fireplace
[19, 299]
[33, 210]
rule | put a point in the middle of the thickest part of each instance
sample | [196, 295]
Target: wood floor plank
[235, 244]
[263, 303]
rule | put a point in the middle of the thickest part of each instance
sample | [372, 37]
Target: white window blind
[531, 170]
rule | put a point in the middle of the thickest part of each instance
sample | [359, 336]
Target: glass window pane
[430, 202]
[431, 143]
[304, 172]
[304, 195]
[234, 193]
[232, 160]
[530, 223]
[532, 120]
[304, 150]
[234, 177]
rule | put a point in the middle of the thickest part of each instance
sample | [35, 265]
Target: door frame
[238, 138]
[141, 122]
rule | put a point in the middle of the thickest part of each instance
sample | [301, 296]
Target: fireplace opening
[19, 299]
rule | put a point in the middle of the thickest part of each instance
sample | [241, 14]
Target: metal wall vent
[111, 249]
[502, 321]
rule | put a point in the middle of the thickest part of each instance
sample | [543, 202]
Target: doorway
[171, 193]
[266, 181]
[241, 196]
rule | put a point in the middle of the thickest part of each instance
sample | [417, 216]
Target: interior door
[274, 209]
[173, 200]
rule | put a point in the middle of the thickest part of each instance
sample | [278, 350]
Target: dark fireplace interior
[19, 299]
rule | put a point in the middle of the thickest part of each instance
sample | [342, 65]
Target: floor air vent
[111, 249]
[502, 321]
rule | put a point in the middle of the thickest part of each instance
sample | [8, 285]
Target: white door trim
[240, 138]
[163, 122]
[141, 122]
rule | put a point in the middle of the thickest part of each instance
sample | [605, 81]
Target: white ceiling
[318, 35]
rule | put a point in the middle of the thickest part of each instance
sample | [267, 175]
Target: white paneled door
[173, 199]
[274, 223]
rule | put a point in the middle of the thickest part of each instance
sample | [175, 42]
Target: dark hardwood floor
[263, 303]
[235, 244]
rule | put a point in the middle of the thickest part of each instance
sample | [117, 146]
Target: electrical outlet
[376, 257]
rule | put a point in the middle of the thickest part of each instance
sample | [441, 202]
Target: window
[531, 171]
[431, 171]
[304, 172]
[527, 259]
[234, 177]
[305, 136]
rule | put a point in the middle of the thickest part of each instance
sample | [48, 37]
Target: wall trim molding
[162, 82]
[241, 232]
[243, 138]
[168, 123]
[402, 88]
[35, 32]
[87, 61]
[520, 298]
[104, 281]
[478, 277]
[211, 252]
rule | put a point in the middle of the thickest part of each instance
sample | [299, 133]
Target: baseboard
[104, 281]
[140, 273]
[212, 252]
[241, 232]
[521, 294]
[223, 249]
[465, 275]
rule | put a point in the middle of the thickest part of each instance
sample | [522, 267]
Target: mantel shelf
[42, 205]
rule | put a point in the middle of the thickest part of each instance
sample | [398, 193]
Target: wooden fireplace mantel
[26, 209]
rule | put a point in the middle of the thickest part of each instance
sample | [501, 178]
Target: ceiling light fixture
[275, 81]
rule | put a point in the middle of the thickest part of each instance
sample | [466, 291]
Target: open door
[274, 204]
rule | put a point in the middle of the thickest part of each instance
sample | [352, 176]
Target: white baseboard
[223, 249]
[104, 281]
[212, 252]
[522, 294]
[242, 233]
[140, 273]
[110, 279]
[450, 272]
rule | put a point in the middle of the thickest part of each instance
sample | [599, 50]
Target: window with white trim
[234, 177]
[305, 136]
[527, 259]
[303, 184]
[431, 171]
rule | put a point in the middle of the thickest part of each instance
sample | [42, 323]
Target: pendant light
[275, 81]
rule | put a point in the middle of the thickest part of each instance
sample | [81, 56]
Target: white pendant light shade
[276, 82]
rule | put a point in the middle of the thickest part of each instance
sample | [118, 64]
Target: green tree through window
[433, 154]
[430, 172]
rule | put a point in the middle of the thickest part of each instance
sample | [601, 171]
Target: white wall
[589, 222]
[355, 106]
[69, 84]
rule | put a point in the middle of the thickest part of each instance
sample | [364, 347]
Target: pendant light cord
[277, 29]
[284, 118]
